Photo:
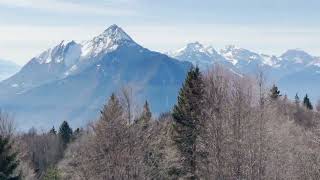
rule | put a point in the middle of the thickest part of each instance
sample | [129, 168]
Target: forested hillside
[223, 126]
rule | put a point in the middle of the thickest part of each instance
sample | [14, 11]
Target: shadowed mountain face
[72, 81]
[295, 71]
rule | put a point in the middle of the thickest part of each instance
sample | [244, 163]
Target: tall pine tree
[8, 160]
[274, 92]
[186, 126]
[65, 133]
[307, 103]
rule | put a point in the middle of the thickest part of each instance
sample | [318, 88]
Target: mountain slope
[48, 66]
[75, 88]
[7, 69]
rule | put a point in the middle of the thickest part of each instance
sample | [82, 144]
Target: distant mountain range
[72, 80]
[7, 69]
[295, 71]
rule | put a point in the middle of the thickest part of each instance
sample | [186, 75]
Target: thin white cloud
[64, 6]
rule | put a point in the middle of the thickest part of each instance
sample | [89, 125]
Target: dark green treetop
[307, 103]
[65, 133]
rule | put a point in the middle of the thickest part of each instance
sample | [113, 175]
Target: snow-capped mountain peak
[107, 41]
[245, 60]
[198, 54]
[71, 52]
[115, 33]
[241, 56]
[194, 47]
[69, 57]
[60, 53]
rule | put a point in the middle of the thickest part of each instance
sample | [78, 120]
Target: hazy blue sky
[27, 27]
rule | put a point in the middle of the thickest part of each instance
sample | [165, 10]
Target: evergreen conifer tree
[8, 160]
[307, 103]
[65, 133]
[274, 92]
[186, 125]
[53, 131]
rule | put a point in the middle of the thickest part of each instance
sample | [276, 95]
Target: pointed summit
[190, 48]
[116, 33]
[108, 41]
[113, 27]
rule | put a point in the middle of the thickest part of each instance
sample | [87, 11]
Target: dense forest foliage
[224, 126]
